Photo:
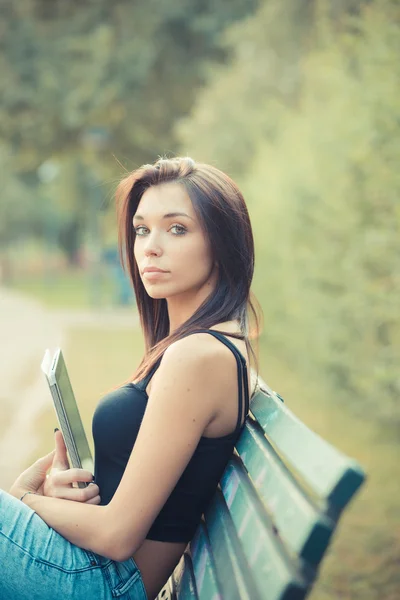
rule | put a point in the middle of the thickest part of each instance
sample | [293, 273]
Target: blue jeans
[37, 563]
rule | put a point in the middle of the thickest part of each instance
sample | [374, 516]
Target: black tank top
[115, 426]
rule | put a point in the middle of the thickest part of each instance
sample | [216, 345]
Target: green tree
[128, 69]
[318, 161]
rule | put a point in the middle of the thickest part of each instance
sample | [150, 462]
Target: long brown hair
[223, 214]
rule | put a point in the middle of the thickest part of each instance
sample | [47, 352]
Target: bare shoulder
[198, 351]
[193, 375]
[199, 360]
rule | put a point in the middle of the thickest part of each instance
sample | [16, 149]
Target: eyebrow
[167, 216]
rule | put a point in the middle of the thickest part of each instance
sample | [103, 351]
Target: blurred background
[299, 101]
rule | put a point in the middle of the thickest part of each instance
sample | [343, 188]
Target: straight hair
[223, 215]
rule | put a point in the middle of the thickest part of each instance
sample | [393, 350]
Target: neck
[183, 306]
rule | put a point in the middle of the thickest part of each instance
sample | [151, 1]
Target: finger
[77, 494]
[44, 463]
[72, 476]
[60, 459]
[95, 500]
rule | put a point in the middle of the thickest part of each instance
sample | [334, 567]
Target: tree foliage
[317, 152]
[129, 67]
[100, 83]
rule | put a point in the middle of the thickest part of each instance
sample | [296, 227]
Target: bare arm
[185, 393]
[80, 523]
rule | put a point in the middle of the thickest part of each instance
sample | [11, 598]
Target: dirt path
[26, 330]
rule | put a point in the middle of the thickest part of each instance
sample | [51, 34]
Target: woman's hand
[32, 479]
[59, 483]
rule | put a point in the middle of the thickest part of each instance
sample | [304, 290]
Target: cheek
[136, 252]
[205, 252]
[199, 254]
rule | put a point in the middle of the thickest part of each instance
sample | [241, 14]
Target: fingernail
[56, 429]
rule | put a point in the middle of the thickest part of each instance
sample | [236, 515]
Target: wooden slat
[298, 522]
[172, 587]
[235, 578]
[204, 567]
[264, 552]
[168, 591]
[257, 383]
[332, 475]
[184, 581]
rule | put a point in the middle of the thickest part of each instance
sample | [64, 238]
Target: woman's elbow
[117, 550]
[119, 545]
[121, 554]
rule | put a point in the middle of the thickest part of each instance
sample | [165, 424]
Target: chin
[156, 296]
[156, 292]
[159, 292]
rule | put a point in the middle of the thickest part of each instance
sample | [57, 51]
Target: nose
[152, 247]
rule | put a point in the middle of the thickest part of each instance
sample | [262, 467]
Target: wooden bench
[273, 515]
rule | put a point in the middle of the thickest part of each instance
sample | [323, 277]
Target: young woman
[163, 439]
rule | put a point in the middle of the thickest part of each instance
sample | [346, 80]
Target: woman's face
[169, 237]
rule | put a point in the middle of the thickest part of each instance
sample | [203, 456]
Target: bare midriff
[156, 562]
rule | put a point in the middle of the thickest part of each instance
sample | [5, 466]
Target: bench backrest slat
[328, 472]
[298, 521]
[204, 567]
[183, 580]
[235, 577]
[264, 551]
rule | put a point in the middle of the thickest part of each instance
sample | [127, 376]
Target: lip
[153, 270]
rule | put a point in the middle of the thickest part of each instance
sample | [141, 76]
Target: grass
[363, 559]
[68, 288]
